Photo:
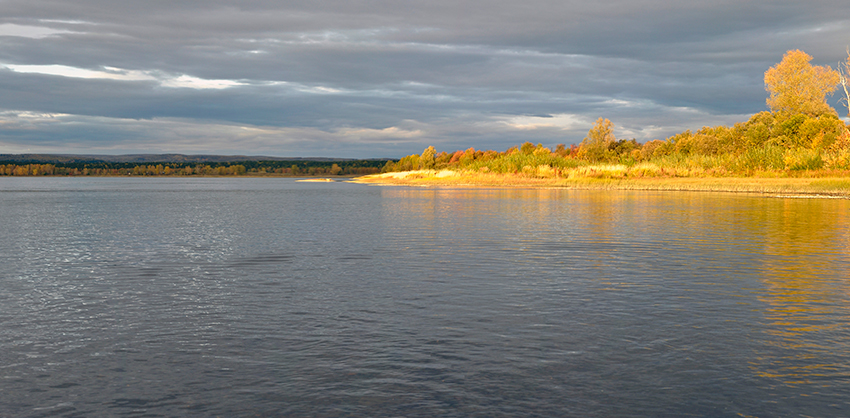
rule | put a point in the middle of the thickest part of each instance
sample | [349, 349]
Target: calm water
[267, 297]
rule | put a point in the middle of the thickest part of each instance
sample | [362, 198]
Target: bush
[837, 156]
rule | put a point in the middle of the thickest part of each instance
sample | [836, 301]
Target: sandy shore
[317, 180]
[836, 187]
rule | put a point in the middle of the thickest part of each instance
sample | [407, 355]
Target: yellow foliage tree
[428, 158]
[594, 146]
[797, 87]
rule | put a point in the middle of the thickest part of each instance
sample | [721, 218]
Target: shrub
[655, 148]
[837, 156]
[803, 159]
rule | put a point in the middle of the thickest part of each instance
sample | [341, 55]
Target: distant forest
[253, 168]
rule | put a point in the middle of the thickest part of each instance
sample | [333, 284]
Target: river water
[270, 297]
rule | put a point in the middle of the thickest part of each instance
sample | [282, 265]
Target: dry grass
[613, 177]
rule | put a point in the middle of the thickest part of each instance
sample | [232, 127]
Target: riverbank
[808, 186]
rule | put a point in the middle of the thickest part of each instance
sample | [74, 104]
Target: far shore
[835, 187]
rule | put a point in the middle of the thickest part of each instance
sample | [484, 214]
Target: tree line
[800, 132]
[254, 168]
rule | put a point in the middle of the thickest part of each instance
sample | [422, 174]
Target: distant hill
[155, 158]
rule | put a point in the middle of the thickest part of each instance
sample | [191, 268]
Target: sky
[384, 79]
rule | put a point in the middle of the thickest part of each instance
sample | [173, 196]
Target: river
[270, 297]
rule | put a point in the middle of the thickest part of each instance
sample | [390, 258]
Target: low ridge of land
[778, 186]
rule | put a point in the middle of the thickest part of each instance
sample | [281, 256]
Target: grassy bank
[810, 186]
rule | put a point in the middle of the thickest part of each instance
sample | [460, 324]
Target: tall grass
[768, 157]
[517, 162]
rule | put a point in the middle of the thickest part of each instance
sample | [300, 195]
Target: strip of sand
[778, 186]
[317, 180]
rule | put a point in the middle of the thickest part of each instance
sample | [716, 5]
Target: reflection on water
[796, 250]
[804, 276]
[267, 297]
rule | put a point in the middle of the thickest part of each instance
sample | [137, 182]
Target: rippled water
[267, 297]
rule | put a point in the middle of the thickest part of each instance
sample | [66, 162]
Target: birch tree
[843, 74]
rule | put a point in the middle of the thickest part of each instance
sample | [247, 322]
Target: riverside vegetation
[799, 145]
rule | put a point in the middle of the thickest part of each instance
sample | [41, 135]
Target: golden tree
[427, 159]
[594, 146]
[797, 87]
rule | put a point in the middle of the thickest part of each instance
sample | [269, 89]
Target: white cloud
[559, 121]
[320, 90]
[185, 81]
[112, 73]
[66, 21]
[392, 132]
[27, 31]
[74, 72]
[29, 121]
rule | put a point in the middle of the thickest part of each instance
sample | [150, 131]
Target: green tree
[388, 167]
[797, 87]
[428, 158]
[411, 162]
[595, 145]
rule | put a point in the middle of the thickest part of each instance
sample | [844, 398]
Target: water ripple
[223, 297]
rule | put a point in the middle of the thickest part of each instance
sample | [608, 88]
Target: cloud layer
[385, 78]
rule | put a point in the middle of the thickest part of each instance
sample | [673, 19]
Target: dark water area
[269, 297]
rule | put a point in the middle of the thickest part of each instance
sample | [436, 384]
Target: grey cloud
[451, 69]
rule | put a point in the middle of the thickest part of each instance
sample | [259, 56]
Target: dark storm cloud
[362, 78]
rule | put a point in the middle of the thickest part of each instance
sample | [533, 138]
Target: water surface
[267, 297]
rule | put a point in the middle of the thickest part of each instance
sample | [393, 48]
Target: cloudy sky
[379, 78]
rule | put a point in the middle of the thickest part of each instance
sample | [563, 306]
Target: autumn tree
[797, 87]
[411, 162]
[428, 158]
[594, 146]
[468, 156]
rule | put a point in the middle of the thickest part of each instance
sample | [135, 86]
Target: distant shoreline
[826, 187]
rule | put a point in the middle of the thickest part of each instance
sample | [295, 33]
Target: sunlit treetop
[797, 87]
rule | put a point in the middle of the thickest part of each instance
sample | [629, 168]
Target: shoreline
[808, 187]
